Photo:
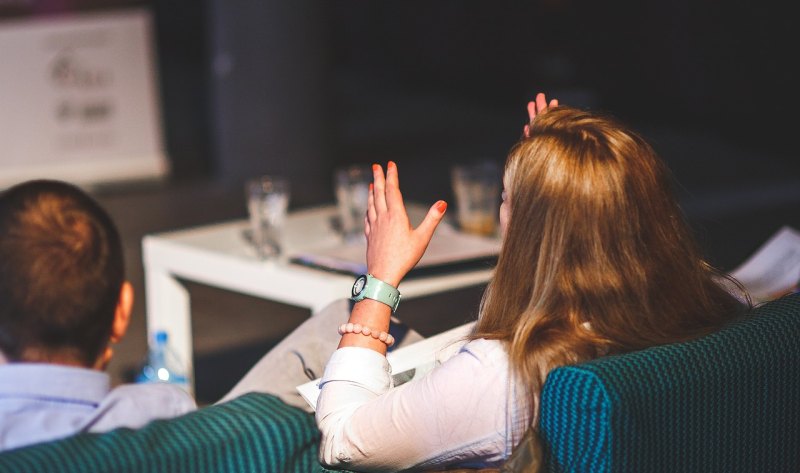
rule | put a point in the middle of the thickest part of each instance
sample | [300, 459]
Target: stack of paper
[773, 270]
[448, 251]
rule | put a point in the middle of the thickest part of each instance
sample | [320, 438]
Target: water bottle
[162, 365]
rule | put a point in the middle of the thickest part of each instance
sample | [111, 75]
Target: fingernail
[371, 186]
[441, 206]
[392, 164]
[375, 168]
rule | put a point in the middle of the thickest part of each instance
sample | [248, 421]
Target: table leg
[168, 309]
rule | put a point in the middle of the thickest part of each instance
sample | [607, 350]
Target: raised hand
[393, 246]
[539, 105]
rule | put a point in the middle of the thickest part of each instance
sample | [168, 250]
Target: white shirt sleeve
[460, 410]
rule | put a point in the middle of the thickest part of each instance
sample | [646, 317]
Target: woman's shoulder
[486, 350]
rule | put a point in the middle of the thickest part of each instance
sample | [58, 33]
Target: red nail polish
[371, 186]
[441, 206]
[375, 168]
[392, 164]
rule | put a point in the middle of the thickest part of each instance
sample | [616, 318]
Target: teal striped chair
[728, 402]
[253, 433]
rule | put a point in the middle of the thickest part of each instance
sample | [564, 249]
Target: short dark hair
[61, 272]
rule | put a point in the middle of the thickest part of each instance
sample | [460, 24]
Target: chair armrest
[252, 433]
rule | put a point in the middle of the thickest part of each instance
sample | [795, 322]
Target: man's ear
[122, 314]
[122, 317]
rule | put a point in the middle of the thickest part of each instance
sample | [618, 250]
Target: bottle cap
[161, 336]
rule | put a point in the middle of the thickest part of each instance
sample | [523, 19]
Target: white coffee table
[219, 256]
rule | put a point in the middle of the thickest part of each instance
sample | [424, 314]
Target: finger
[431, 220]
[371, 214]
[541, 102]
[531, 111]
[526, 131]
[366, 226]
[379, 188]
[392, 176]
[553, 103]
[394, 199]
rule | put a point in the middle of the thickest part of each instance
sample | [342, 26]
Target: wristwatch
[369, 287]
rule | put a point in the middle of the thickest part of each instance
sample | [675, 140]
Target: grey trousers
[303, 354]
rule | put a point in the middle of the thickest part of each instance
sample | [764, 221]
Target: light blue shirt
[42, 402]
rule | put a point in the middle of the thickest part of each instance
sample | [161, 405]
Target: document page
[449, 250]
[774, 269]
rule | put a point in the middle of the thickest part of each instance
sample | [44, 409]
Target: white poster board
[79, 100]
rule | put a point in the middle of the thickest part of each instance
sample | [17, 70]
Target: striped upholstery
[728, 402]
[253, 433]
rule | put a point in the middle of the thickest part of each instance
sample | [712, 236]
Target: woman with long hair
[596, 259]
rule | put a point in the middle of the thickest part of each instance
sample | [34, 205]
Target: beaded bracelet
[366, 331]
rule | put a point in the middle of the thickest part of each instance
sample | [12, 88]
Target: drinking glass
[477, 191]
[352, 194]
[267, 204]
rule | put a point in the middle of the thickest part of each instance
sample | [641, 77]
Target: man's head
[63, 295]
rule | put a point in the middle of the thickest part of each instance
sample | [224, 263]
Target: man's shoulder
[156, 395]
[134, 405]
[42, 402]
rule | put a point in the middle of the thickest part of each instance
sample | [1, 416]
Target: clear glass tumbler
[352, 194]
[267, 205]
[477, 191]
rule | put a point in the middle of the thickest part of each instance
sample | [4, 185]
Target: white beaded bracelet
[366, 331]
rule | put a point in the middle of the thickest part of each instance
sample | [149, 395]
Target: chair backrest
[727, 402]
[252, 433]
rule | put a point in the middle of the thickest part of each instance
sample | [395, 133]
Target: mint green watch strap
[370, 287]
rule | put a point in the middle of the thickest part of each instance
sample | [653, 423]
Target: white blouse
[465, 412]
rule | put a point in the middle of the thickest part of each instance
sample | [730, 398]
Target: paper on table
[774, 269]
[448, 250]
[409, 362]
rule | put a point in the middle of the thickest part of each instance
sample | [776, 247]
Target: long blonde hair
[597, 257]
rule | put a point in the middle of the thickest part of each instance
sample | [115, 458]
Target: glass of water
[476, 186]
[352, 194]
[267, 205]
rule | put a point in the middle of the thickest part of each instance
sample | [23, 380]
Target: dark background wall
[297, 88]
[428, 84]
[250, 84]
[268, 80]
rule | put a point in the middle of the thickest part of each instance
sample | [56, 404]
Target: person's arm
[393, 248]
[462, 411]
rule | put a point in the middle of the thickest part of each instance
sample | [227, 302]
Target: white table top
[219, 255]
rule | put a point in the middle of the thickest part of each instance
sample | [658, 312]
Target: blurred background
[300, 87]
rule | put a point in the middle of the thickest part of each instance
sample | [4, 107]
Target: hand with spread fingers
[535, 107]
[393, 246]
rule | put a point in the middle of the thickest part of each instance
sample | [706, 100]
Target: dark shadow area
[728, 240]
[217, 372]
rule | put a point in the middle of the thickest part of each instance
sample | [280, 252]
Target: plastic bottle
[162, 365]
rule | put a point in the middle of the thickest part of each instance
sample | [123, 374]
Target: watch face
[358, 286]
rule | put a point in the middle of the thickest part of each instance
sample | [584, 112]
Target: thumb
[432, 219]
